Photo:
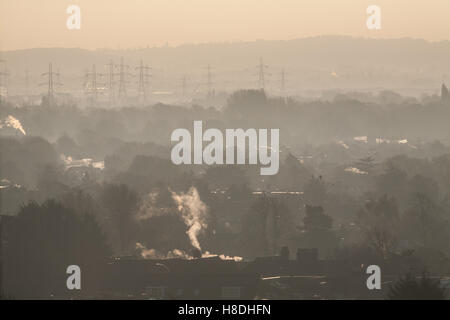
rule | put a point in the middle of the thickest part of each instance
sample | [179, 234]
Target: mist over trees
[359, 181]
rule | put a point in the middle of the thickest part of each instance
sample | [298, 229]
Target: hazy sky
[141, 23]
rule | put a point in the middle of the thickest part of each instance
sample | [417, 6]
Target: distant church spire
[445, 95]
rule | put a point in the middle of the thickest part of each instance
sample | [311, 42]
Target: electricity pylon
[51, 83]
[93, 83]
[122, 80]
[261, 74]
[143, 81]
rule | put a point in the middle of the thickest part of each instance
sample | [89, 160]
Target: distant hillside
[312, 63]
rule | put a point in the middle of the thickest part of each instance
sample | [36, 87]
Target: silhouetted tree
[42, 241]
[317, 230]
[49, 182]
[263, 227]
[394, 182]
[292, 174]
[121, 203]
[445, 95]
[425, 223]
[315, 218]
[411, 288]
[315, 191]
[378, 222]
[67, 146]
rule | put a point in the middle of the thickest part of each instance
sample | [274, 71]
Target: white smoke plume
[221, 256]
[153, 254]
[194, 213]
[177, 253]
[12, 122]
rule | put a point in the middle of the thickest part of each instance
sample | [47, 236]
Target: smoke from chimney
[194, 213]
